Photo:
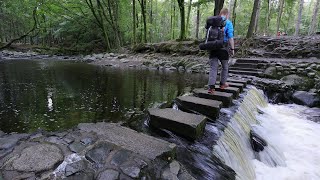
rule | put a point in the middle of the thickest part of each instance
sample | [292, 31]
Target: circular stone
[38, 158]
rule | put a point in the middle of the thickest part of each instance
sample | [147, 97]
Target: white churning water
[293, 151]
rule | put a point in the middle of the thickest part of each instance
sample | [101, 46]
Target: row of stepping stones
[195, 110]
[251, 67]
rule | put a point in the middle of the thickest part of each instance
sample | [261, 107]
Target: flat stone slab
[225, 98]
[244, 82]
[233, 90]
[38, 158]
[237, 85]
[145, 145]
[207, 107]
[185, 124]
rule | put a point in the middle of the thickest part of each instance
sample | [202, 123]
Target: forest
[107, 25]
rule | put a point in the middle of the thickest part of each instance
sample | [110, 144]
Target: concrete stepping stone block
[207, 107]
[231, 84]
[185, 124]
[145, 145]
[225, 98]
[233, 90]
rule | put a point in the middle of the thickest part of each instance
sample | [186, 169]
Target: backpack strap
[208, 31]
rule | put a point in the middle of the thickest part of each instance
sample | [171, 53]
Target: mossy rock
[298, 82]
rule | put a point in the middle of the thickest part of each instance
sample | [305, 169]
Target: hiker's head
[224, 12]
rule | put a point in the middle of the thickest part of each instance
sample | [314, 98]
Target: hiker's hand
[232, 52]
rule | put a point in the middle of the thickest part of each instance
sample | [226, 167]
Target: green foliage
[89, 25]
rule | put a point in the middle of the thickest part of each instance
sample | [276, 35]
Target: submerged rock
[306, 98]
[257, 142]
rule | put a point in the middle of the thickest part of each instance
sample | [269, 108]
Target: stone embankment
[89, 151]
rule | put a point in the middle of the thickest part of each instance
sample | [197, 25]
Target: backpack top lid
[216, 21]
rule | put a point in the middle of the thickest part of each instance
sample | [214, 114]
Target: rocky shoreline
[80, 153]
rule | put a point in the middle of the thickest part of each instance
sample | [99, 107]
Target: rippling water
[56, 95]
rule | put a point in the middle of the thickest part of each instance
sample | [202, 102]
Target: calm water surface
[56, 95]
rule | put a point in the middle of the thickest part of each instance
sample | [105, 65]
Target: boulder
[306, 98]
[271, 72]
[38, 158]
[297, 82]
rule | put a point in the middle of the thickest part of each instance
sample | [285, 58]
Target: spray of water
[293, 142]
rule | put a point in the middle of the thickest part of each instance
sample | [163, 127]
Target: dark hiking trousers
[214, 71]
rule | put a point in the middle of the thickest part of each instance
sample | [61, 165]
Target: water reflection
[59, 95]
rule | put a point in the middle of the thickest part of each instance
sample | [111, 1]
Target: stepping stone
[244, 60]
[231, 84]
[244, 82]
[145, 145]
[245, 65]
[250, 73]
[225, 98]
[207, 107]
[233, 90]
[185, 124]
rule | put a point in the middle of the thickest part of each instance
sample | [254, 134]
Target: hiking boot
[224, 86]
[211, 91]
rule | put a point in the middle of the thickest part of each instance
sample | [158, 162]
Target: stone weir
[195, 110]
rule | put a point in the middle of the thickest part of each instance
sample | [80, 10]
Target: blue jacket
[228, 30]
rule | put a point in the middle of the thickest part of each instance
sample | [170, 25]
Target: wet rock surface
[47, 155]
[306, 98]
[38, 158]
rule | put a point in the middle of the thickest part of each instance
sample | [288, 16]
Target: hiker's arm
[231, 42]
[230, 35]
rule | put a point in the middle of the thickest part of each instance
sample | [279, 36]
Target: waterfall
[234, 147]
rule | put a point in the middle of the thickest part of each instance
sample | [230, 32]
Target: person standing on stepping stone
[221, 54]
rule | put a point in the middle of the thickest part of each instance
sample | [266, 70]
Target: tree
[279, 14]
[234, 14]
[218, 5]
[134, 21]
[34, 27]
[188, 17]
[268, 17]
[182, 20]
[257, 18]
[296, 33]
[253, 18]
[144, 19]
[314, 20]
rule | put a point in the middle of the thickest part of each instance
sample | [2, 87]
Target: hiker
[221, 54]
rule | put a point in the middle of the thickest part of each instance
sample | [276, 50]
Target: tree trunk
[257, 18]
[234, 14]
[182, 20]
[151, 20]
[231, 4]
[296, 33]
[268, 17]
[34, 27]
[198, 21]
[314, 19]
[253, 18]
[143, 12]
[279, 14]
[218, 5]
[134, 21]
[188, 18]
[173, 19]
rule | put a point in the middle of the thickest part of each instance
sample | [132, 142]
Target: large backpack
[215, 33]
